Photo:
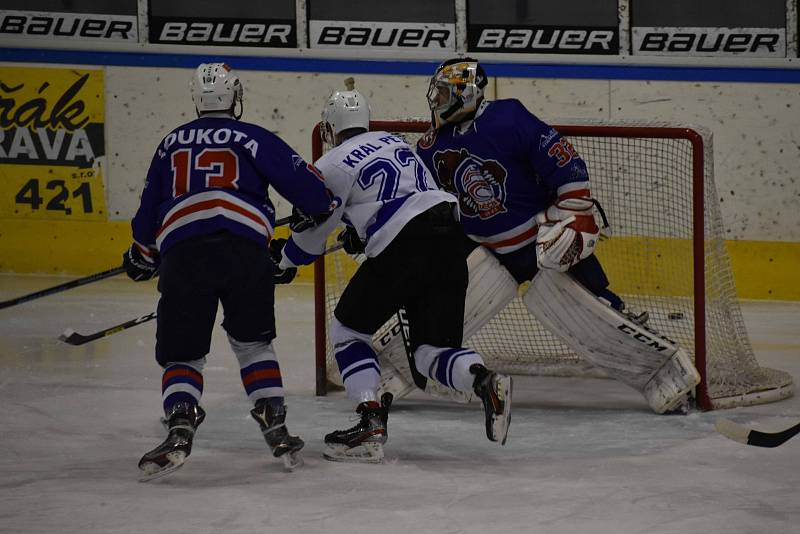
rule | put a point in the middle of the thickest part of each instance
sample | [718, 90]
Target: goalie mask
[455, 90]
[344, 110]
[216, 87]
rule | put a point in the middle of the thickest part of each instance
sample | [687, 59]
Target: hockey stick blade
[63, 287]
[748, 436]
[74, 338]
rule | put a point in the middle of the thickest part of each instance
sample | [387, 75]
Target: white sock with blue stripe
[448, 366]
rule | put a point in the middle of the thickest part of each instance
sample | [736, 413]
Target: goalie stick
[748, 436]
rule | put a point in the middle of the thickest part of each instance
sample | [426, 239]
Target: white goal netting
[667, 256]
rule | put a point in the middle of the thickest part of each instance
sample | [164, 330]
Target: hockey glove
[137, 266]
[350, 241]
[280, 276]
[302, 222]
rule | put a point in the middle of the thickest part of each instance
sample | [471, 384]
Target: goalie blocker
[634, 354]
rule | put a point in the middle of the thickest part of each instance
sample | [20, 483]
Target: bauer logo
[543, 39]
[73, 26]
[756, 42]
[382, 35]
[223, 32]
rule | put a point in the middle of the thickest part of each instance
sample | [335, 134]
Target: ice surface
[583, 456]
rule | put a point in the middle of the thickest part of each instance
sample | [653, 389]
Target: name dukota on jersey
[213, 174]
[382, 185]
[505, 168]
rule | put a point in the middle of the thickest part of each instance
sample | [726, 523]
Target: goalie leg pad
[627, 351]
[670, 385]
[490, 289]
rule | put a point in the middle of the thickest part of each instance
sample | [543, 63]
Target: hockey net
[667, 256]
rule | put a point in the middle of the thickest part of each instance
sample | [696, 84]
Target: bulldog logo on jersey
[479, 184]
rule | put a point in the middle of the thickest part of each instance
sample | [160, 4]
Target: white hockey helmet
[344, 110]
[215, 87]
[455, 90]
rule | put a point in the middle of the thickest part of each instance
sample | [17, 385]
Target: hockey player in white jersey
[409, 231]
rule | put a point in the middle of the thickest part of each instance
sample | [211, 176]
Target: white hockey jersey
[381, 184]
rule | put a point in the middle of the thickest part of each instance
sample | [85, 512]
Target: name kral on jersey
[761, 42]
[46, 25]
[358, 154]
[543, 39]
[208, 136]
[383, 35]
[224, 32]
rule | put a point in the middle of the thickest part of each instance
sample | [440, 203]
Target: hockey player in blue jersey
[204, 225]
[408, 230]
[526, 205]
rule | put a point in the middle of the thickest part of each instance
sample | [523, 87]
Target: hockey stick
[92, 278]
[420, 380]
[74, 338]
[748, 436]
[63, 287]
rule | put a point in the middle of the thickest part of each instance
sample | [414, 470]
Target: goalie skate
[363, 442]
[494, 390]
[272, 420]
[183, 420]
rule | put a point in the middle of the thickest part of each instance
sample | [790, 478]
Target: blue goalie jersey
[506, 167]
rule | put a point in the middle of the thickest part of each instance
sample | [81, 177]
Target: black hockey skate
[272, 420]
[363, 442]
[494, 390]
[182, 422]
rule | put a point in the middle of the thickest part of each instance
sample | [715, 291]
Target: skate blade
[366, 453]
[152, 470]
[501, 423]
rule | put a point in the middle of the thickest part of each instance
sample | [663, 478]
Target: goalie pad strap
[599, 334]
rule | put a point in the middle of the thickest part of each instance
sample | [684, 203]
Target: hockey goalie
[526, 208]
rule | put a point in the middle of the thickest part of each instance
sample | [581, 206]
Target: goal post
[667, 256]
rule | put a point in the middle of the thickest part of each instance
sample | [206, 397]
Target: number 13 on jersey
[211, 167]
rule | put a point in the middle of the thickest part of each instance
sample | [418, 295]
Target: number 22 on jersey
[386, 174]
[213, 167]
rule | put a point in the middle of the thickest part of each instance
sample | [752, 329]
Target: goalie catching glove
[568, 233]
[140, 263]
[280, 276]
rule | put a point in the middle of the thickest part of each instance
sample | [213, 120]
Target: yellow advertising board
[52, 144]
